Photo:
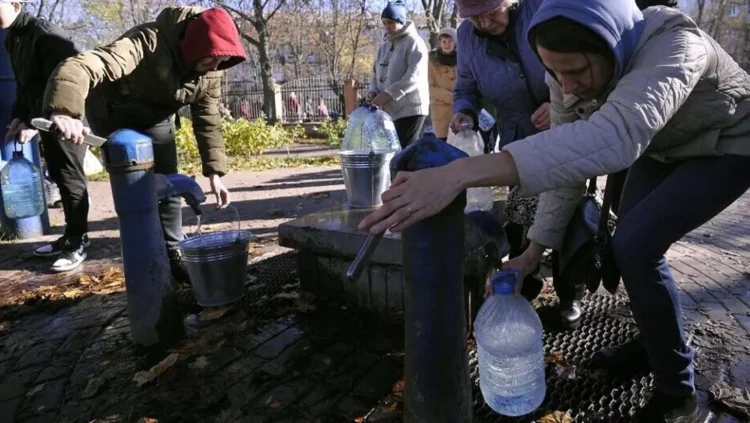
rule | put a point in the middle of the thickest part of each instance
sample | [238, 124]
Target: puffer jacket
[35, 47]
[400, 69]
[502, 72]
[678, 96]
[141, 80]
[442, 78]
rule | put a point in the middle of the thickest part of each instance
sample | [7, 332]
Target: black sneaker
[70, 258]
[665, 408]
[55, 248]
[622, 361]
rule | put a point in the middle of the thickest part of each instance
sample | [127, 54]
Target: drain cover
[267, 281]
[571, 384]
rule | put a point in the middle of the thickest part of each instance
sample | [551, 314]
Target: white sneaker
[70, 259]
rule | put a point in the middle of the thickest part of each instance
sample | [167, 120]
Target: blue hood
[618, 22]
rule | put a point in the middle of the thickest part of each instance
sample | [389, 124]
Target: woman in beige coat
[442, 77]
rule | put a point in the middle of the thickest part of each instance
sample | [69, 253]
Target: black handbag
[586, 252]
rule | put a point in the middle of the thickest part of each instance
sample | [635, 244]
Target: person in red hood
[140, 81]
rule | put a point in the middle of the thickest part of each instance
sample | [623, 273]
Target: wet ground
[280, 355]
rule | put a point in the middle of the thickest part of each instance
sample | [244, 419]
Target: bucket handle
[239, 223]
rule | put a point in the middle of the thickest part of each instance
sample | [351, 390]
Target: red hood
[212, 34]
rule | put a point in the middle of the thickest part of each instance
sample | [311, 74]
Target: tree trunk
[266, 77]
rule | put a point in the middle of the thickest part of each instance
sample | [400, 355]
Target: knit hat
[449, 32]
[395, 11]
[469, 8]
[212, 33]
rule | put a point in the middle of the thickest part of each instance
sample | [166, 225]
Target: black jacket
[35, 47]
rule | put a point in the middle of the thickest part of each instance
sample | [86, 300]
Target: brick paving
[74, 362]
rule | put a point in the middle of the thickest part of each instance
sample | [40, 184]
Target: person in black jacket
[36, 47]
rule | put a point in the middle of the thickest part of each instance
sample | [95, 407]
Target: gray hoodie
[400, 69]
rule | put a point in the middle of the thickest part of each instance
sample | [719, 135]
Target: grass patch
[254, 164]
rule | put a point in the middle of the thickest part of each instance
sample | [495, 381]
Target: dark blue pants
[660, 204]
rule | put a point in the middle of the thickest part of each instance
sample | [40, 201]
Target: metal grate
[571, 384]
[269, 282]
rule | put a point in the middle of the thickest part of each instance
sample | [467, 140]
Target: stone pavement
[280, 356]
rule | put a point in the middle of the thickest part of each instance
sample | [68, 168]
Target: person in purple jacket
[498, 70]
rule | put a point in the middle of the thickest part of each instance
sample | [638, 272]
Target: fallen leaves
[212, 313]
[74, 293]
[557, 417]
[144, 377]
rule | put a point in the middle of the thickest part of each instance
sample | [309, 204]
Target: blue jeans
[662, 202]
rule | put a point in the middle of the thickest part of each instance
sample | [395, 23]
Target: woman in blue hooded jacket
[496, 69]
[646, 90]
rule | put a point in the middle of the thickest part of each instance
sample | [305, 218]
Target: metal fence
[303, 99]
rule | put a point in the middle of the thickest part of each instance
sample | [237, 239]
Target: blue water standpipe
[129, 158]
[30, 227]
[436, 362]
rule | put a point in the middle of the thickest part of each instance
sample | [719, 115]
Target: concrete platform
[328, 241]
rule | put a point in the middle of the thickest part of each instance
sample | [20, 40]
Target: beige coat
[442, 78]
[682, 96]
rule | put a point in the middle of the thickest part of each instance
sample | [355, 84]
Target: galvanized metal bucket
[217, 264]
[366, 176]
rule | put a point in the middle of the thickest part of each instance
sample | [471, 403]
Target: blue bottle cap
[504, 282]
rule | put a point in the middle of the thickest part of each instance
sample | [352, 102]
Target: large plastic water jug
[370, 129]
[509, 349]
[471, 143]
[21, 185]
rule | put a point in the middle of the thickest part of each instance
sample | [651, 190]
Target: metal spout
[180, 185]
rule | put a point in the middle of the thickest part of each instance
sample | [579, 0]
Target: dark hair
[563, 35]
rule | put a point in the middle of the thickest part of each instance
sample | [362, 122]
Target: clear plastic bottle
[471, 143]
[509, 349]
[370, 129]
[21, 185]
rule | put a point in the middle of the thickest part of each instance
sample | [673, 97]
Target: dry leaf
[35, 390]
[554, 357]
[73, 293]
[359, 420]
[557, 417]
[144, 377]
[320, 195]
[199, 363]
[275, 404]
[275, 212]
[147, 420]
[212, 313]
[92, 387]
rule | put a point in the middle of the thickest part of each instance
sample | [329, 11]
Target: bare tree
[715, 26]
[701, 4]
[434, 11]
[254, 29]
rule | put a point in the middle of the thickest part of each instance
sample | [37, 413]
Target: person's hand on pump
[460, 122]
[527, 262]
[18, 131]
[381, 100]
[540, 118]
[69, 127]
[221, 192]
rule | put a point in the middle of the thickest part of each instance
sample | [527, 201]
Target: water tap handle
[176, 185]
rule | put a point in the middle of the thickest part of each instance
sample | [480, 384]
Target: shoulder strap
[602, 233]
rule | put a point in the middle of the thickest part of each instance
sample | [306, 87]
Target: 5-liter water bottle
[509, 348]
[471, 143]
[21, 185]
